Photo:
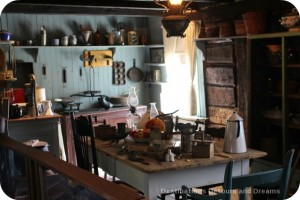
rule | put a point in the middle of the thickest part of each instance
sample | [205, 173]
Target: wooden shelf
[155, 83]
[221, 39]
[155, 64]
[294, 126]
[294, 96]
[259, 36]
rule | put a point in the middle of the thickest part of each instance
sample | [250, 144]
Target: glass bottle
[153, 110]
[97, 37]
[133, 118]
[43, 36]
[132, 99]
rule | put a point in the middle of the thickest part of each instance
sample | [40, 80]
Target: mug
[133, 38]
[55, 42]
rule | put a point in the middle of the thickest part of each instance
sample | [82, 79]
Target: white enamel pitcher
[234, 141]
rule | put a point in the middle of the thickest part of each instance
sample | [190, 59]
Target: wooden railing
[36, 161]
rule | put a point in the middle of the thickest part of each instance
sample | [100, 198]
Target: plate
[141, 140]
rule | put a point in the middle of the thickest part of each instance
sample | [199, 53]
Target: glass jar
[153, 110]
[133, 118]
[73, 40]
[132, 99]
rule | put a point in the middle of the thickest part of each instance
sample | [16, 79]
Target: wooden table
[160, 177]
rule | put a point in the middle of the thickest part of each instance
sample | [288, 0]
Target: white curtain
[179, 92]
[191, 34]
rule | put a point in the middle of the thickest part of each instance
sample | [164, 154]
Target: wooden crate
[202, 149]
[220, 52]
[104, 131]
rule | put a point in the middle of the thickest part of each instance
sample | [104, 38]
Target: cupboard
[274, 97]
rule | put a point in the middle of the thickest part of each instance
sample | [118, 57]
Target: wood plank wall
[27, 26]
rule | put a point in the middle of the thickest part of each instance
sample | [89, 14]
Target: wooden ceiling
[116, 7]
[207, 10]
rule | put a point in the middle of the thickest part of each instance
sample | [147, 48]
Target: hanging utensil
[135, 74]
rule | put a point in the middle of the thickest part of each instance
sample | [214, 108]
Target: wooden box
[104, 131]
[202, 149]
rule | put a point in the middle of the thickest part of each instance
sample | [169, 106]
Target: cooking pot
[234, 141]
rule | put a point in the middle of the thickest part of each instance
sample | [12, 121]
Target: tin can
[156, 75]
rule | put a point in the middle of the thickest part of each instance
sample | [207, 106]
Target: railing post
[36, 180]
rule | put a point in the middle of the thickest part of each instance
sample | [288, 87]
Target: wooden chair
[270, 181]
[187, 193]
[84, 141]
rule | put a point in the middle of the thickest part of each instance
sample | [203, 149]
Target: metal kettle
[234, 141]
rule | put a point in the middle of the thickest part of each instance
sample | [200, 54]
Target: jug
[234, 141]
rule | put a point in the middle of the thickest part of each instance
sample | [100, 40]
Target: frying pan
[134, 73]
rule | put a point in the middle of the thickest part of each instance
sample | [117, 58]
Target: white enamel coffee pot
[234, 141]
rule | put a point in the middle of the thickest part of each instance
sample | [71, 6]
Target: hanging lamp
[175, 17]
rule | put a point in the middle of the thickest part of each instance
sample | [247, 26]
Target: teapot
[234, 141]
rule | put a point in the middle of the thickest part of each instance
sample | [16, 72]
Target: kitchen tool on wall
[135, 74]
[119, 73]
[234, 140]
[90, 92]
[97, 58]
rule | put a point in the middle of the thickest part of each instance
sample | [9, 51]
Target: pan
[135, 74]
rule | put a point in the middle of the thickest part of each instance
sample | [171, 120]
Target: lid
[234, 117]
